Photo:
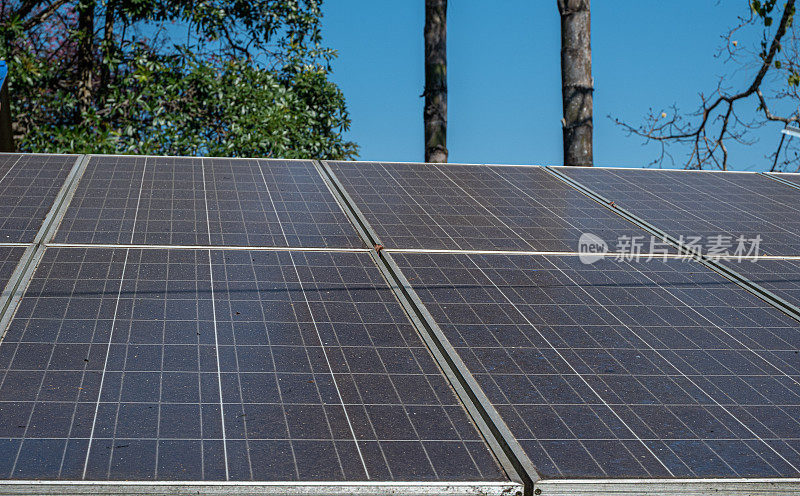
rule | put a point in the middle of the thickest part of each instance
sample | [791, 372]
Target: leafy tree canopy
[172, 77]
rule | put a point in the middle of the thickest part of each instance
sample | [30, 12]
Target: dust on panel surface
[29, 185]
[436, 206]
[193, 201]
[174, 364]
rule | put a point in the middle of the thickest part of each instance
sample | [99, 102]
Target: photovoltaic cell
[9, 258]
[434, 206]
[274, 203]
[180, 201]
[29, 185]
[622, 369]
[174, 364]
[715, 208]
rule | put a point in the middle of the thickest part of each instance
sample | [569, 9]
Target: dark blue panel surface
[29, 185]
[435, 206]
[170, 364]
[705, 205]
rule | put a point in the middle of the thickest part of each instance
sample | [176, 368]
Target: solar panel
[622, 369]
[434, 206]
[240, 365]
[28, 188]
[705, 205]
[180, 201]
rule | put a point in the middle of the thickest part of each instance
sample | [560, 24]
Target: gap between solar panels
[503, 443]
[33, 253]
[754, 288]
[775, 177]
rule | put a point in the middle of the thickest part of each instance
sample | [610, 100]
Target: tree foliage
[173, 77]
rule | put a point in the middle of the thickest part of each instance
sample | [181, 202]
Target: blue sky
[504, 76]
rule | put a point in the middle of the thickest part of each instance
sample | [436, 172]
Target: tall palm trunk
[576, 81]
[435, 113]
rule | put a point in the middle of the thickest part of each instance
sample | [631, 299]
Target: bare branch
[769, 115]
[709, 147]
[43, 15]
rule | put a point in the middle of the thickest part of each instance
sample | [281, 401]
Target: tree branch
[705, 148]
[43, 14]
[769, 115]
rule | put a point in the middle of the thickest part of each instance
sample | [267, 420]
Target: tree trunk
[435, 113]
[6, 131]
[108, 46]
[576, 81]
[85, 54]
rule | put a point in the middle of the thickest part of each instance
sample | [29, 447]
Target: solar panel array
[229, 320]
[140, 351]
